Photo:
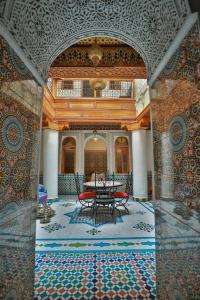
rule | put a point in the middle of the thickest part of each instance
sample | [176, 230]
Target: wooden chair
[121, 198]
[86, 199]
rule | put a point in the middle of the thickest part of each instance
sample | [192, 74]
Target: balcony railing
[81, 89]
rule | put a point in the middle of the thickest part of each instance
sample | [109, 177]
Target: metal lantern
[98, 83]
[95, 54]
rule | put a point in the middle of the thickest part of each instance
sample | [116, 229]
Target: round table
[103, 194]
[101, 184]
[103, 188]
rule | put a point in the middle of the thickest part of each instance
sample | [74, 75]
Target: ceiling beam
[99, 72]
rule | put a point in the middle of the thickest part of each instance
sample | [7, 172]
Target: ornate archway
[45, 29]
[68, 160]
[95, 156]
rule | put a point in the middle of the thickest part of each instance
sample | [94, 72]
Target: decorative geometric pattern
[74, 126]
[181, 226]
[83, 236]
[178, 131]
[17, 62]
[19, 125]
[16, 270]
[88, 72]
[67, 186]
[142, 25]
[174, 261]
[20, 175]
[112, 57]
[93, 231]
[95, 275]
[107, 245]
[172, 63]
[144, 226]
[79, 216]
[53, 227]
[5, 179]
[12, 133]
[66, 183]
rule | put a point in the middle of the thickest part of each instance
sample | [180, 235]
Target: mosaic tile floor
[111, 275]
[75, 260]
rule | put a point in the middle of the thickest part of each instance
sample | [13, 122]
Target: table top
[100, 184]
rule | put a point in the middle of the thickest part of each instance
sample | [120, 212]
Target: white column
[81, 153]
[167, 185]
[139, 164]
[50, 162]
[110, 152]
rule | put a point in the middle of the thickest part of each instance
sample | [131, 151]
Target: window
[68, 164]
[67, 85]
[121, 155]
[50, 84]
[87, 90]
[79, 88]
[115, 85]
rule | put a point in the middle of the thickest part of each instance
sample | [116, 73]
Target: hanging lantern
[95, 135]
[98, 84]
[95, 54]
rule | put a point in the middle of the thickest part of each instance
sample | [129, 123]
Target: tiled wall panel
[20, 110]
[176, 136]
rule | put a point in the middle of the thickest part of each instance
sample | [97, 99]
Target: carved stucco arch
[101, 33]
[100, 137]
[43, 29]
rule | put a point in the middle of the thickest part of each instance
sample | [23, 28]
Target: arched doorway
[95, 155]
[122, 165]
[68, 162]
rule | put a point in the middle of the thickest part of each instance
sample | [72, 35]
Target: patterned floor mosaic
[79, 216]
[92, 276]
[77, 260]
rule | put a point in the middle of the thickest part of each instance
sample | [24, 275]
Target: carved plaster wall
[20, 110]
[44, 29]
[176, 144]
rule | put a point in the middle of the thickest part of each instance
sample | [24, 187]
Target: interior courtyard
[99, 150]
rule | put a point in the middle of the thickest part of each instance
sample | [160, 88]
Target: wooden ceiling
[115, 55]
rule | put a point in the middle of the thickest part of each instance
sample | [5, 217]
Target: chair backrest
[100, 176]
[128, 183]
[77, 183]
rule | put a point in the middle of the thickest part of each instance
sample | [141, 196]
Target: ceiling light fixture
[95, 53]
[95, 135]
[98, 84]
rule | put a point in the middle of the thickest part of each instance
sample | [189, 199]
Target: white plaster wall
[41, 155]
[83, 136]
[149, 148]
[139, 164]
